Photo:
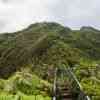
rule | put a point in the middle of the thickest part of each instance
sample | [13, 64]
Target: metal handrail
[76, 86]
[55, 84]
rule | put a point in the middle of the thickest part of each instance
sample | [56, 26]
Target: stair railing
[76, 86]
[55, 85]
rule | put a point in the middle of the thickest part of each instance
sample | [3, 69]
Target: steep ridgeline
[42, 40]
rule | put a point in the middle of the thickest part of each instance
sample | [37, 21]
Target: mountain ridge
[81, 40]
[37, 50]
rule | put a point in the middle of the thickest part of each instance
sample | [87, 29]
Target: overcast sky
[18, 14]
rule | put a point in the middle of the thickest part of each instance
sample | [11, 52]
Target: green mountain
[42, 47]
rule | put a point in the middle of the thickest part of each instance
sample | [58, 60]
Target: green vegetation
[24, 97]
[28, 59]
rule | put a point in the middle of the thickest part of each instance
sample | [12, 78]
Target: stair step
[64, 92]
[67, 99]
[66, 96]
[64, 89]
[62, 85]
[68, 91]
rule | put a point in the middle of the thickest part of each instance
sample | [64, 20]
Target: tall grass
[24, 97]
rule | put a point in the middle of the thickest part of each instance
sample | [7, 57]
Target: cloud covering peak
[18, 14]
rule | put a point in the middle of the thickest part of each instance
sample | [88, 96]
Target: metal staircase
[64, 92]
[66, 86]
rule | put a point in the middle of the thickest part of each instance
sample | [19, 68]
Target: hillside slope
[43, 46]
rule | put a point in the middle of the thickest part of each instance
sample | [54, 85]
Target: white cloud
[17, 14]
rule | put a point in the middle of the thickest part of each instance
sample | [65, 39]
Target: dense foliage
[28, 59]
